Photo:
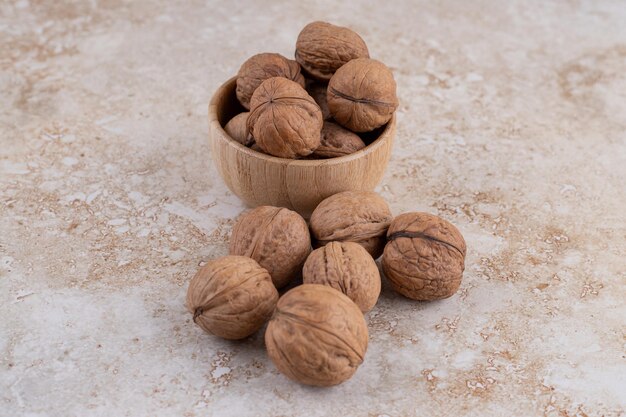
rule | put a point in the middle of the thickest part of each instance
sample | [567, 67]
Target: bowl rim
[385, 135]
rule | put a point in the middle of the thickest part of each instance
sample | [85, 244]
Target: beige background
[512, 126]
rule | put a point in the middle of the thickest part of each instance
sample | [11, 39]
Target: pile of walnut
[317, 115]
[317, 333]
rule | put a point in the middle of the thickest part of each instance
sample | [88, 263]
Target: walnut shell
[276, 237]
[337, 141]
[352, 216]
[362, 95]
[231, 297]
[237, 128]
[424, 258]
[346, 267]
[318, 91]
[259, 68]
[284, 120]
[317, 336]
[322, 48]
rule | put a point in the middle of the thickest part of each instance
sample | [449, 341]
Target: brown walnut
[317, 336]
[259, 68]
[322, 48]
[284, 119]
[231, 297]
[337, 141]
[352, 216]
[346, 267]
[237, 128]
[362, 95]
[424, 258]
[318, 90]
[276, 237]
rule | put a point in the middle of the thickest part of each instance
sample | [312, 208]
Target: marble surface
[512, 126]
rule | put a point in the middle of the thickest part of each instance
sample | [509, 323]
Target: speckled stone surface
[512, 126]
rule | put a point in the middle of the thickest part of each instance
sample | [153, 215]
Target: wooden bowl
[260, 179]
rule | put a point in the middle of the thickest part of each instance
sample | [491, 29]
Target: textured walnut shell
[337, 141]
[231, 297]
[259, 68]
[322, 48]
[317, 336]
[318, 91]
[276, 237]
[352, 216]
[362, 95]
[284, 119]
[237, 128]
[346, 267]
[424, 258]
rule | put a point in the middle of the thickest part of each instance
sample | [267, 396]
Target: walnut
[318, 90]
[259, 68]
[277, 238]
[237, 129]
[284, 120]
[317, 336]
[424, 258]
[352, 216]
[323, 48]
[337, 141]
[347, 267]
[362, 95]
[231, 297]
